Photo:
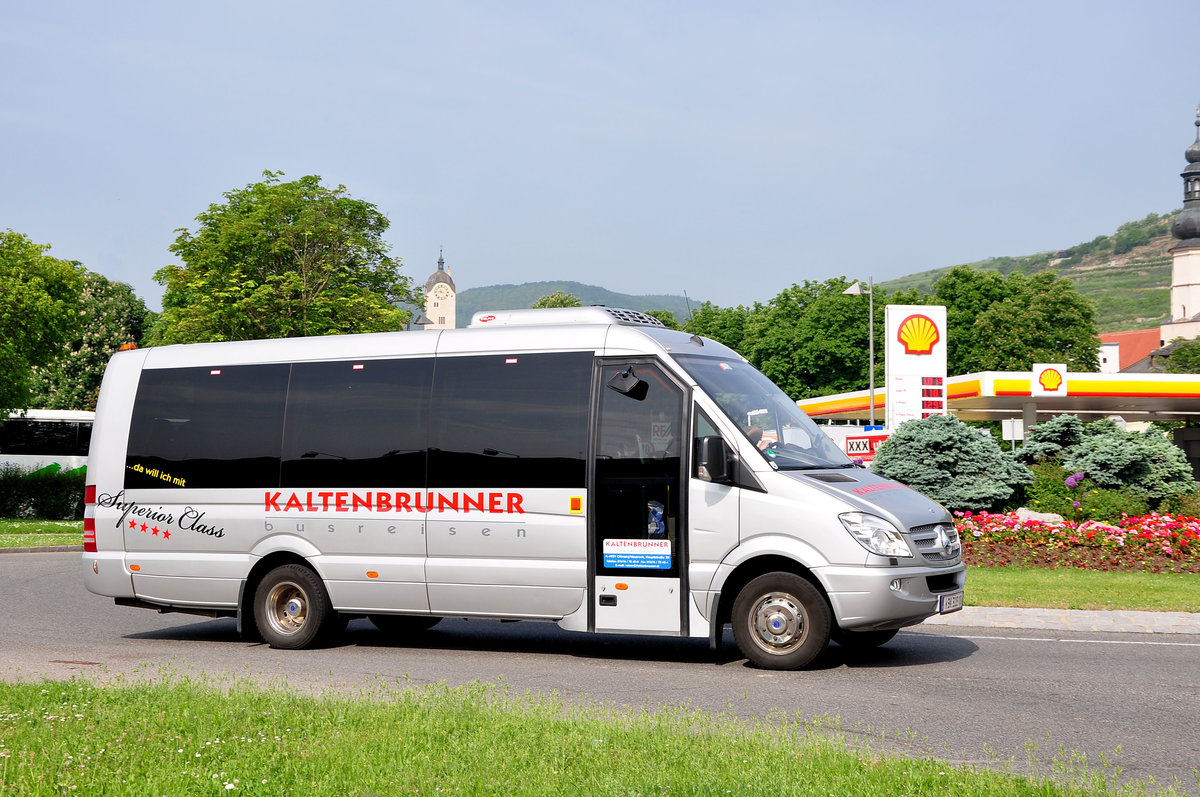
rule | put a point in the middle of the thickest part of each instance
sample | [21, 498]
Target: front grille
[926, 541]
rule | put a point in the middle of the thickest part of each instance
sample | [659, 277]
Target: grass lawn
[29, 533]
[1072, 588]
[193, 737]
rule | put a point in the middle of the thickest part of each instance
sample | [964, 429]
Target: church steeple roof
[439, 276]
[1186, 226]
[1192, 153]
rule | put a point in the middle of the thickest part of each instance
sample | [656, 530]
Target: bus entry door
[638, 549]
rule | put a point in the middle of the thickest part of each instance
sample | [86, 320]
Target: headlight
[875, 534]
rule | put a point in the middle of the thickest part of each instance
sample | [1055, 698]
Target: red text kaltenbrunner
[344, 501]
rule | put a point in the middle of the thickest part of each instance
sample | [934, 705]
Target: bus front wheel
[781, 621]
[292, 608]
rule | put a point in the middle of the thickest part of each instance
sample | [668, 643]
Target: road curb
[43, 549]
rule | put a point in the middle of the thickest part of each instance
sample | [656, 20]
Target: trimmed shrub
[1050, 439]
[1145, 466]
[956, 465]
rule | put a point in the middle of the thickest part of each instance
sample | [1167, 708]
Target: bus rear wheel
[781, 621]
[292, 608]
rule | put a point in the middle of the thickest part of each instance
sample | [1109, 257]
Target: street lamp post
[857, 290]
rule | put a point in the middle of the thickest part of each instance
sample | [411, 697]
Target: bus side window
[357, 423]
[207, 427]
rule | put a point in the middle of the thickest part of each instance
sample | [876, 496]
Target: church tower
[440, 298]
[1185, 255]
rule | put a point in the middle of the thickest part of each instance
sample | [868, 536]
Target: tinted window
[207, 427]
[54, 438]
[510, 421]
[357, 424]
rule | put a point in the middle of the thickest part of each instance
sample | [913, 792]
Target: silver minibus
[586, 466]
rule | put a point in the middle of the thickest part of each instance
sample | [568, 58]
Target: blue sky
[722, 149]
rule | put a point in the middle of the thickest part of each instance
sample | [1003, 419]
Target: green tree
[281, 260]
[37, 314]
[954, 464]
[1008, 323]
[1132, 234]
[811, 339]
[1184, 357]
[667, 317]
[557, 299]
[725, 325]
[110, 316]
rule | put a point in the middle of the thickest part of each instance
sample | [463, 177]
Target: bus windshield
[784, 435]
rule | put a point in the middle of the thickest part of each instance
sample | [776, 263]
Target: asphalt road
[968, 695]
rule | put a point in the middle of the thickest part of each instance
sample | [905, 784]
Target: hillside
[1127, 274]
[515, 297]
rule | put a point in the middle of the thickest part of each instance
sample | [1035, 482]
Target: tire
[292, 608]
[403, 624]
[862, 640]
[781, 621]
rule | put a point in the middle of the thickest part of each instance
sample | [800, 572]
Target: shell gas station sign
[1048, 380]
[915, 362]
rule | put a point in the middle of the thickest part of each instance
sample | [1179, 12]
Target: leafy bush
[48, 493]
[1146, 466]
[952, 463]
[1129, 237]
[1187, 504]
[1051, 492]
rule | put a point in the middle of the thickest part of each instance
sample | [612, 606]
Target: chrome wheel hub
[287, 608]
[778, 622]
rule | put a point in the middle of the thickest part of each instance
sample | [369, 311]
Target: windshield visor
[782, 433]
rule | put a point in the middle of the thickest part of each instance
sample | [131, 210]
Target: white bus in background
[585, 466]
[33, 439]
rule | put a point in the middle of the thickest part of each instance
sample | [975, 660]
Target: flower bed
[1155, 543]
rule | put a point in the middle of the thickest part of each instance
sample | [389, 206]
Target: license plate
[950, 603]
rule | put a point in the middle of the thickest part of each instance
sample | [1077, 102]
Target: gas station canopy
[997, 395]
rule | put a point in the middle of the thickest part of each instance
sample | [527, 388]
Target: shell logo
[1050, 379]
[918, 333]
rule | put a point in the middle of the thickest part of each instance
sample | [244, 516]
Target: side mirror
[627, 383]
[714, 460]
